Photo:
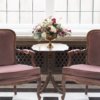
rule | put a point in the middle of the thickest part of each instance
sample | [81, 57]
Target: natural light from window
[78, 15]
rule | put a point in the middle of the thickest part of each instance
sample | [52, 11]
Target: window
[78, 15]
[21, 11]
[78, 11]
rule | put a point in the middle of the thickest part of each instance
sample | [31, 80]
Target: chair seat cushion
[82, 70]
[82, 80]
[18, 71]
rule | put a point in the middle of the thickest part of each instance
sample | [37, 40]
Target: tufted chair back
[93, 47]
[7, 47]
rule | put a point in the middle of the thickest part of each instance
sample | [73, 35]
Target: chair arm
[72, 52]
[29, 52]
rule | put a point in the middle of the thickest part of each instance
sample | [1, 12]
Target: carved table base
[50, 58]
[50, 78]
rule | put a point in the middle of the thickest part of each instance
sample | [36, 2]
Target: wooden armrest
[26, 51]
[72, 52]
[75, 51]
[29, 52]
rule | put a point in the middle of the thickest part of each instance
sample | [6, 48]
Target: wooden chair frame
[70, 54]
[31, 53]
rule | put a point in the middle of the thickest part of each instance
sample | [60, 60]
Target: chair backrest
[7, 47]
[93, 47]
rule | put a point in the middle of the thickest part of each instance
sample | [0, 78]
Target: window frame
[19, 11]
[25, 29]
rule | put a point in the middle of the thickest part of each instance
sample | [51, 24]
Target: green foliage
[49, 27]
[68, 34]
[39, 37]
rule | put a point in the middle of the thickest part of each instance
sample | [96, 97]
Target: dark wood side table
[43, 47]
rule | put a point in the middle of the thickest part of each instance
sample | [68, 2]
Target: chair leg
[15, 90]
[38, 89]
[63, 87]
[86, 89]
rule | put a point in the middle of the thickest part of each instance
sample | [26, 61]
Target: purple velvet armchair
[10, 72]
[89, 73]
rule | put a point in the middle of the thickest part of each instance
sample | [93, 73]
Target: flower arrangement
[49, 27]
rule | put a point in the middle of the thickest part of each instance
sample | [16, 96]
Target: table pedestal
[50, 75]
[50, 78]
[49, 61]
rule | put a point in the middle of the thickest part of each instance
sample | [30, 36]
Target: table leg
[55, 85]
[45, 84]
[50, 78]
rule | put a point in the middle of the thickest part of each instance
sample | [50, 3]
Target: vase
[50, 38]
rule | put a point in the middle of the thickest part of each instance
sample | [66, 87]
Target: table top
[56, 47]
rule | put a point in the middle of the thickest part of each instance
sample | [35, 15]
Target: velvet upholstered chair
[10, 72]
[89, 73]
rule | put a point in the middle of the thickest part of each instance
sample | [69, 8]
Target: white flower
[53, 29]
[43, 34]
[38, 27]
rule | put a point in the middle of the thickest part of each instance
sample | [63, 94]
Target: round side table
[43, 47]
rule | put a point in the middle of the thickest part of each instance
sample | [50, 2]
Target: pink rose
[32, 31]
[70, 31]
[50, 17]
[43, 25]
[66, 29]
[49, 28]
[45, 20]
[38, 30]
[60, 17]
[57, 30]
[43, 29]
[54, 20]
[63, 32]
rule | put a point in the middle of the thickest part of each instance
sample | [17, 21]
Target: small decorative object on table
[49, 29]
